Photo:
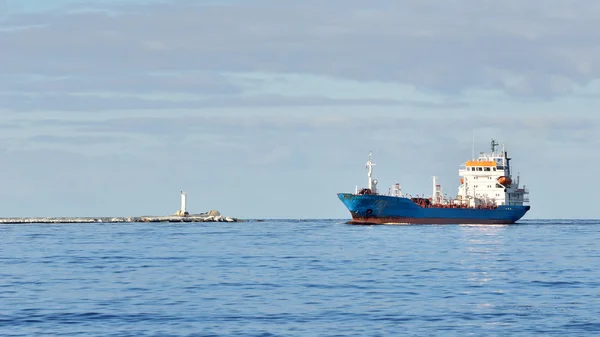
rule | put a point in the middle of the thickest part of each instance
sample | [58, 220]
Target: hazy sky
[267, 109]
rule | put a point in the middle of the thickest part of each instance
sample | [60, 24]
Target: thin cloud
[93, 102]
[126, 83]
[82, 140]
[580, 129]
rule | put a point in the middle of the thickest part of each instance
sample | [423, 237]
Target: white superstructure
[487, 181]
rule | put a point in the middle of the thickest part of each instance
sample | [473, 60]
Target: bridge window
[487, 169]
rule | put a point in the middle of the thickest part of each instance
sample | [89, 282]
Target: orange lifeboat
[462, 181]
[504, 181]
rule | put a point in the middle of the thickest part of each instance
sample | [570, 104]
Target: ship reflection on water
[484, 249]
[487, 241]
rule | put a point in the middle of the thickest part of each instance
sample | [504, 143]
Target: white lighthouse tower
[183, 202]
[183, 210]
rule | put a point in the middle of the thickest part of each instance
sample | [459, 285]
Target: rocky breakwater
[212, 216]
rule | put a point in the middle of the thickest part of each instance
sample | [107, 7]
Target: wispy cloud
[125, 83]
[403, 129]
[95, 102]
[81, 140]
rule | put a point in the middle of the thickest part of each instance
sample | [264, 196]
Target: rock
[214, 213]
[173, 218]
[180, 213]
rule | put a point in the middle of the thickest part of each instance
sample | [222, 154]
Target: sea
[300, 278]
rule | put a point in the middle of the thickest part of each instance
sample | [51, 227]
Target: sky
[268, 108]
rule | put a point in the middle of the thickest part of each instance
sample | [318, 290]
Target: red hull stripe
[358, 220]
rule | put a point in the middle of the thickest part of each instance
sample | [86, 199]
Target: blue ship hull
[381, 209]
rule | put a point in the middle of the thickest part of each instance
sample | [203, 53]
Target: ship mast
[494, 144]
[372, 182]
[507, 160]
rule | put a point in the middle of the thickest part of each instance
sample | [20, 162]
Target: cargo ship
[487, 194]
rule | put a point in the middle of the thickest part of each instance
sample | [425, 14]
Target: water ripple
[300, 278]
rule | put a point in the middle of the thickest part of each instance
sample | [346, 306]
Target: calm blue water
[300, 278]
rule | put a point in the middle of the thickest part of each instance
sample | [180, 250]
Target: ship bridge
[488, 180]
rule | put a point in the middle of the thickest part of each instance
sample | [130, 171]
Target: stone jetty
[180, 216]
[171, 218]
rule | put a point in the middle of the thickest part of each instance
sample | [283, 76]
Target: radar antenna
[494, 144]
